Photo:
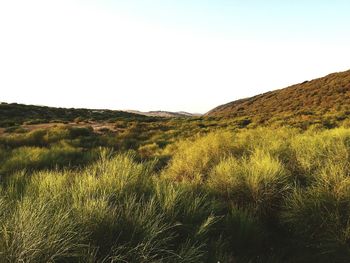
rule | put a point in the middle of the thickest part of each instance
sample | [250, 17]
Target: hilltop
[310, 101]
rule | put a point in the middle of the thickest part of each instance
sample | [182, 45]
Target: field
[174, 131]
[173, 190]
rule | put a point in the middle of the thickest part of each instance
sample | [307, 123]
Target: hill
[17, 114]
[326, 98]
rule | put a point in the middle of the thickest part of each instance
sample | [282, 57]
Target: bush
[194, 158]
[318, 216]
[33, 158]
[259, 182]
[313, 150]
[32, 231]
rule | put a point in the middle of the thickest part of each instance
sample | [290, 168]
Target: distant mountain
[310, 100]
[165, 114]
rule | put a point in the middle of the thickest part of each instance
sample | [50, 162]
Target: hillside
[308, 101]
[17, 114]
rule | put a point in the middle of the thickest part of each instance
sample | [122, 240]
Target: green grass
[256, 195]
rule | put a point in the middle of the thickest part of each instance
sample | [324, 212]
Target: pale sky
[189, 55]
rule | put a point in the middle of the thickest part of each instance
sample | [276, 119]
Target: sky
[173, 55]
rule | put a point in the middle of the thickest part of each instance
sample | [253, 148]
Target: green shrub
[80, 131]
[35, 232]
[313, 150]
[318, 216]
[32, 158]
[194, 158]
[259, 182]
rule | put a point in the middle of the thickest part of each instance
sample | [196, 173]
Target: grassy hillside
[315, 101]
[79, 185]
[17, 114]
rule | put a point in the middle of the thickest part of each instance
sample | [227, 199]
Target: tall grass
[259, 182]
[34, 158]
[33, 231]
[193, 159]
[259, 195]
[319, 215]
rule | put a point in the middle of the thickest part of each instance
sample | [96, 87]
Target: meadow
[174, 190]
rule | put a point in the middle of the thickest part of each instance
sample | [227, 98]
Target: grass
[257, 195]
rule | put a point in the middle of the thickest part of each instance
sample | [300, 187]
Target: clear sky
[189, 55]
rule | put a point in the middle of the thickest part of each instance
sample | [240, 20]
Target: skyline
[165, 55]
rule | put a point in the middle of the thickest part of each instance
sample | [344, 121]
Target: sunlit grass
[261, 195]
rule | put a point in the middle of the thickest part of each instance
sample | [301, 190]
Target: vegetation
[82, 185]
[256, 195]
[17, 114]
[323, 102]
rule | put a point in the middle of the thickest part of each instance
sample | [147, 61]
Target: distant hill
[311, 101]
[17, 114]
[324, 101]
[166, 114]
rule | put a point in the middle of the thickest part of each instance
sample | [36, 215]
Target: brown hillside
[319, 97]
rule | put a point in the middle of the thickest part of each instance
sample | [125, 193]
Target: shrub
[80, 131]
[313, 150]
[259, 182]
[35, 232]
[318, 216]
[32, 158]
[194, 158]
[149, 150]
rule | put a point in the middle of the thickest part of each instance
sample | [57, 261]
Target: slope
[311, 100]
